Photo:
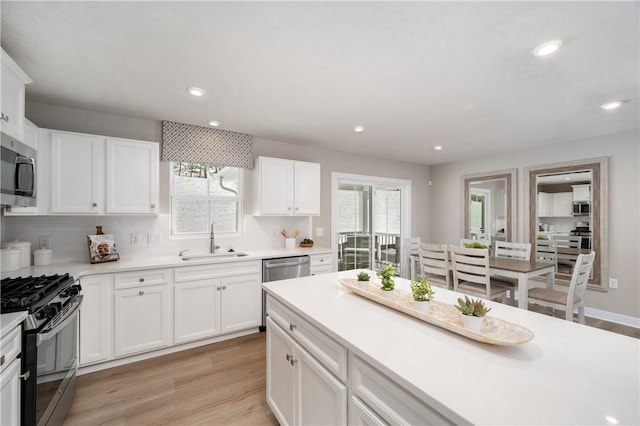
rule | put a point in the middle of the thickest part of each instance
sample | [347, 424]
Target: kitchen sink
[213, 256]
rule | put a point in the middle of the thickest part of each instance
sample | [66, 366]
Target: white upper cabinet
[285, 187]
[13, 82]
[132, 176]
[77, 173]
[581, 192]
[96, 175]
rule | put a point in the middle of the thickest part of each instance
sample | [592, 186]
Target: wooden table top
[517, 265]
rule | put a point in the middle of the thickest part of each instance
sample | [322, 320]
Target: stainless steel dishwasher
[281, 268]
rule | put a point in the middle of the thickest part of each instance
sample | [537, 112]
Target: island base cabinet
[141, 319]
[361, 415]
[299, 389]
[10, 384]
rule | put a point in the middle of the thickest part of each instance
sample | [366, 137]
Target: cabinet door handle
[321, 260]
[2, 360]
[5, 117]
[292, 326]
[141, 293]
[141, 280]
[289, 208]
[224, 287]
[26, 375]
[288, 357]
[293, 360]
[219, 288]
[153, 206]
[297, 208]
[94, 204]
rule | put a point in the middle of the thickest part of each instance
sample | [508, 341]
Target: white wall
[624, 206]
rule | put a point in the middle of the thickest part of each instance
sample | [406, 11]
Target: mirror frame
[511, 184]
[599, 211]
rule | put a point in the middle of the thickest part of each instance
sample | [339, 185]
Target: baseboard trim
[612, 317]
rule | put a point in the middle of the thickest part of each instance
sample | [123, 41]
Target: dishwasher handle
[280, 265]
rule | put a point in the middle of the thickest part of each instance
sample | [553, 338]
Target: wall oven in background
[18, 173]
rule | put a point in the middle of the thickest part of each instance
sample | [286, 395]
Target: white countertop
[568, 374]
[9, 321]
[144, 262]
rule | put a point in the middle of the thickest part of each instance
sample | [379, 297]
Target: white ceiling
[415, 74]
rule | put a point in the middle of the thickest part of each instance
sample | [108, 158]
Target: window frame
[190, 235]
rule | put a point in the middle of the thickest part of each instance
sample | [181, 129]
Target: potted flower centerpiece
[422, 294]
[388, 284]
[363, 280]
[473, 312]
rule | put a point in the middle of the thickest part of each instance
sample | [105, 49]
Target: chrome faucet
[213, 245]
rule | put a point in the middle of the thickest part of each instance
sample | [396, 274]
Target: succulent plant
[387, 275]
[471, 307]
[422, 291]
[363, 276]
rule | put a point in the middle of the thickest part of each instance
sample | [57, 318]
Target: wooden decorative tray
[494, 330]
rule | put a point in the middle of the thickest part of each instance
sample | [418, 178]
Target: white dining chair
[566, 259]
[471, 274]
[574, 298]
[546, 251]
[412, 248]
[434, 264]
[519, 251]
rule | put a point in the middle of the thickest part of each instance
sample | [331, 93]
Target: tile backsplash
[68, 234]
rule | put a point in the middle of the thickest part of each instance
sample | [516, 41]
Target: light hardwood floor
[218, 384]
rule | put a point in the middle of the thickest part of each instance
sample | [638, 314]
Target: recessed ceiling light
[547, 48]
[195, 91]
[567, 178]
[437, 147]
[214, 123]
[358, 129]
[611, 105]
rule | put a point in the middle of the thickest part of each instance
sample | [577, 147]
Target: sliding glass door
[368, 222]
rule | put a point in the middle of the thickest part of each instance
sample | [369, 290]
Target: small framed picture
[102, 248]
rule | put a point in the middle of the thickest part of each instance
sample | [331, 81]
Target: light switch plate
[153, 238]
[613, 283]
[319, 232]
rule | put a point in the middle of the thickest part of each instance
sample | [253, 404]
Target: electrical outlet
[613, 283]
[135, 239]
[319, 232]
[44, 241]
[153, 238]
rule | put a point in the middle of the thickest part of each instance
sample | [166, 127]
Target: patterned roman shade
[204, 145]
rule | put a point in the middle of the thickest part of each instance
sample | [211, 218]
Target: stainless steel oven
[49, 344]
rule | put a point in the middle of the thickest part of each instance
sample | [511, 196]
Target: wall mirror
[489, 209]
[567, 216]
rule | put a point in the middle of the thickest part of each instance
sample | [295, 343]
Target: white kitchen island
[384, 366]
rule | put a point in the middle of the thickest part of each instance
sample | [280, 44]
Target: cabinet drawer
[142, 278]
[326, 350]
[10, 347]
[217, 270]
[320, 259]
[317, 270]
[388, 399]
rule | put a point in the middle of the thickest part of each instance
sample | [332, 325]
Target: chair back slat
[580, 276]
[470, 265]
[507, 249]
[434, 263]
[546, 251]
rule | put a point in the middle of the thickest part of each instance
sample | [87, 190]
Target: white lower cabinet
[96, 319]
[197, 310]
[300, 390]
[360, 414]
[320, 264]
[241, 303]
[10, 380]
[142, 319]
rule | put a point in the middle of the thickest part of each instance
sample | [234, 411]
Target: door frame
[338, 178]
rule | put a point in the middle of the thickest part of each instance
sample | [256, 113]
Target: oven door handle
[43, 337]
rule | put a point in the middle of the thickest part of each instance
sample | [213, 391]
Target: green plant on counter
[422, 291]
[307, 241]
[475, 245]
[543, 237]
[363, 276]
[471, 307]
[387, 275]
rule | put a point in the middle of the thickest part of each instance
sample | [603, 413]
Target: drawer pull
[4, 117]
[94, 204]
[321, 260]
[218, 288]
[141, 280]
[2, 360]
[292, 326]
[153, 206]
[141, 293]
[288, 357]
[224, 287]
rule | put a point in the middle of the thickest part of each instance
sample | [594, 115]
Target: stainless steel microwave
[581, 208]
[17, 173]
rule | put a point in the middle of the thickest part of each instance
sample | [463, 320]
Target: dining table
[522, 270]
